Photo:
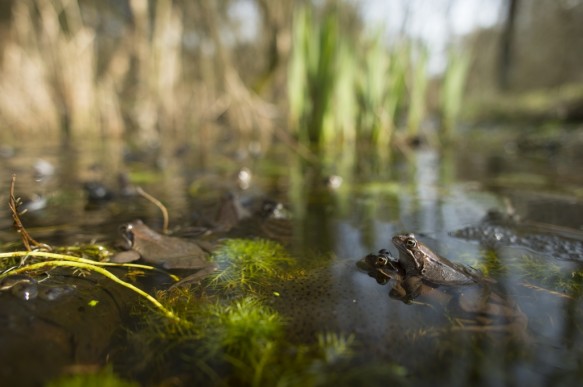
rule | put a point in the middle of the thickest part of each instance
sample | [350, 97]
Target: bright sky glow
[434, 22]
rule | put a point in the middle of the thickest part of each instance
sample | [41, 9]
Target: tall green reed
[452, 90]
[381, 90]
[353, 89]
[418, 80]
[312, 75]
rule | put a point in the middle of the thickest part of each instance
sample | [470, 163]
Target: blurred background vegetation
[322, 72]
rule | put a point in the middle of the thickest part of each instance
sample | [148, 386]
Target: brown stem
[159, 204]
[27, 240]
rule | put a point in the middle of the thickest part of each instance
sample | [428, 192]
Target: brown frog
[419, 271]
[416, 259]
[165, 251]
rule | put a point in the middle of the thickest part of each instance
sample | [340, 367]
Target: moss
[239, 342]
[247, 327]
[104, 377]
[247, 264]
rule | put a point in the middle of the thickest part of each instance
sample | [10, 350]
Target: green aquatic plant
[243, 334]
[246, 324]
[489, 264]
[239, 342]
[334, 347]
[103, 377]
[452, 90]
[418, 81]
[551, 275]
[312, 74]
[248, 338]
[246, 264]
[380, 90]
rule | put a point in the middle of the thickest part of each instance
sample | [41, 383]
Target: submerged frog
[165, 251]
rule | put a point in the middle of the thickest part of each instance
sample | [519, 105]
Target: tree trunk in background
[506, 46]
[276, 20]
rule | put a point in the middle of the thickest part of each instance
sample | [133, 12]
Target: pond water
[337, 210]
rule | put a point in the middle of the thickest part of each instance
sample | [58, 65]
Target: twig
[27, 240]
[548, 291]
[159, 204]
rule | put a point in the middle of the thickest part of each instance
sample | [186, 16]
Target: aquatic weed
[551, 274]
[242, 335]
[247, 264]
[247, 325]
[103, 377]
[490, 264]
[334, 347]
[238, 342]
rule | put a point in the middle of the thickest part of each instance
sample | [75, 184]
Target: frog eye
[127, 232]
[381, 261]
[411, 243]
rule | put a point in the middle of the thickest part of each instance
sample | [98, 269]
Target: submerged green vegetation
[552, 276]
[222, 331]
[231, 327]
[243, 336]
[248, 264]
[535, 272]
[104, 377]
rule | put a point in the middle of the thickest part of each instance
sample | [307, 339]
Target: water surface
[536, 259]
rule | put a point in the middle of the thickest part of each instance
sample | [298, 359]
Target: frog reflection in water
[419, 271]
[165, 251]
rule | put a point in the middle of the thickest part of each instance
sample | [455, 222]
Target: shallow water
[442, 197]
